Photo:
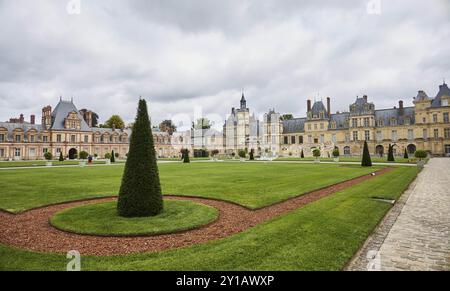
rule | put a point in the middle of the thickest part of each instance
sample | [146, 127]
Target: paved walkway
[417, 235]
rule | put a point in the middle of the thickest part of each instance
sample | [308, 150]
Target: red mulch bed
[31, 230]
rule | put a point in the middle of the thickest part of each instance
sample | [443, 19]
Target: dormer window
[393, 121]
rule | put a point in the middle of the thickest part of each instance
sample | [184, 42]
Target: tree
[61, 158]
[242, 154]
[316, 153]
[48, 156]
[366, 160]
[287, 117]
[186, 159]
[420, 154]
[391, 154]
[202, 123]
[336, 153]
[115, 121]
[252, 155]
[140, 193]
[406, 156]
[108, 156]
[302, 155]
[214, 153]
[113, 157]
[167, 126]
[83, 155]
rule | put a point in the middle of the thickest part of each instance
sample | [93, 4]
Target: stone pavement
[415, 235]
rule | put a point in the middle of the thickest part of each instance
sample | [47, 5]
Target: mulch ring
[31, 230]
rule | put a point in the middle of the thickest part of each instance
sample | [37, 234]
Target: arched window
[347, 151]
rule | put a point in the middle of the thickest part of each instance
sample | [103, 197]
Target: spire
[243, 102]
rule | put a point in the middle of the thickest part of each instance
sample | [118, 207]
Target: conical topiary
[406, 156]
[391, 154]
[61, 158]
[113, 157]
[186, 158]
[366, 160]
[140, 193]
[302, 155]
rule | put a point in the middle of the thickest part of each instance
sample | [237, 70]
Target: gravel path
[31, 230]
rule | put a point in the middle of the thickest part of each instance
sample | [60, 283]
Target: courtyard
[241, 216]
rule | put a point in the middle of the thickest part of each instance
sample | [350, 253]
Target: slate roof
[340, 119]
[319, 107]
[443, 91]
[294, 125]
[60, 113]
[395, 113]
[24, 126]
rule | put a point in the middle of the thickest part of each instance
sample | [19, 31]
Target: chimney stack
[21, 119]
[33, 119]
[329, 106]
[309, 105]
[400, 104]
[365, 97]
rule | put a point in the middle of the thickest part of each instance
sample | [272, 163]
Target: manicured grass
[250, 184]
[21, 164]
[398, 160]
[323, 235]
[102, 219]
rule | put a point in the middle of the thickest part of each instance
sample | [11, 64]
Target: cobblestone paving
[419, 236]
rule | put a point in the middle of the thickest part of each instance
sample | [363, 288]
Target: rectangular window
[354, 122]
[2, 137]
[44, 150]
[393, 122]
[309, 126]
[394, 135]
[58, 150]
[379, 135]
[367, 135]
[315, 126]
[2, 153]
[333, 138]
[321, 126]
[446, 118]
[366, 122]
[300, 139]
[425, 134]
[355, 136]
[447, 133]
[436, 133]
[292, 139]
[424, 120]
[45, 138]
[17, 152]
[309, 139]
[86, 138]
[435, 119]
[286, 140]
[58, 138]
[73, 138]
[322, 138]
[18, 138]
[31, 138]
[32, 152]
[410, 134]
[347, 137]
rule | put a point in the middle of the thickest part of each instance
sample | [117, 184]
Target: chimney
[400, 104]
[365, 97]
[308, 103]
[329, 106]
[33, 119]
[21, 119]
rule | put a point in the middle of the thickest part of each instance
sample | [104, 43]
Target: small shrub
[48, 156]
[242, 154]
[84, 155]
[317, 153]
[108, 156]
[420, 154]
[336, 153]
[186, 159]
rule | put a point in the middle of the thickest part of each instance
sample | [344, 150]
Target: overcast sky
[178, 54]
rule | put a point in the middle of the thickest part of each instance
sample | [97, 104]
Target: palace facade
[423, 126]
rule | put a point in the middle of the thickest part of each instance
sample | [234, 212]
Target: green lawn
[351, 159]
[250, 184]
[102, 219]
[323, 235]
[21, 164]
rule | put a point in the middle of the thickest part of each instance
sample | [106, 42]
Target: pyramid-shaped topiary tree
[391, 154]
[140, 192]
[302, 155]
[406, 156]
[61, 158]
[113, 157]
[366, 160]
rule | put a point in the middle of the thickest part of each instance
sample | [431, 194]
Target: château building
[425, 125]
